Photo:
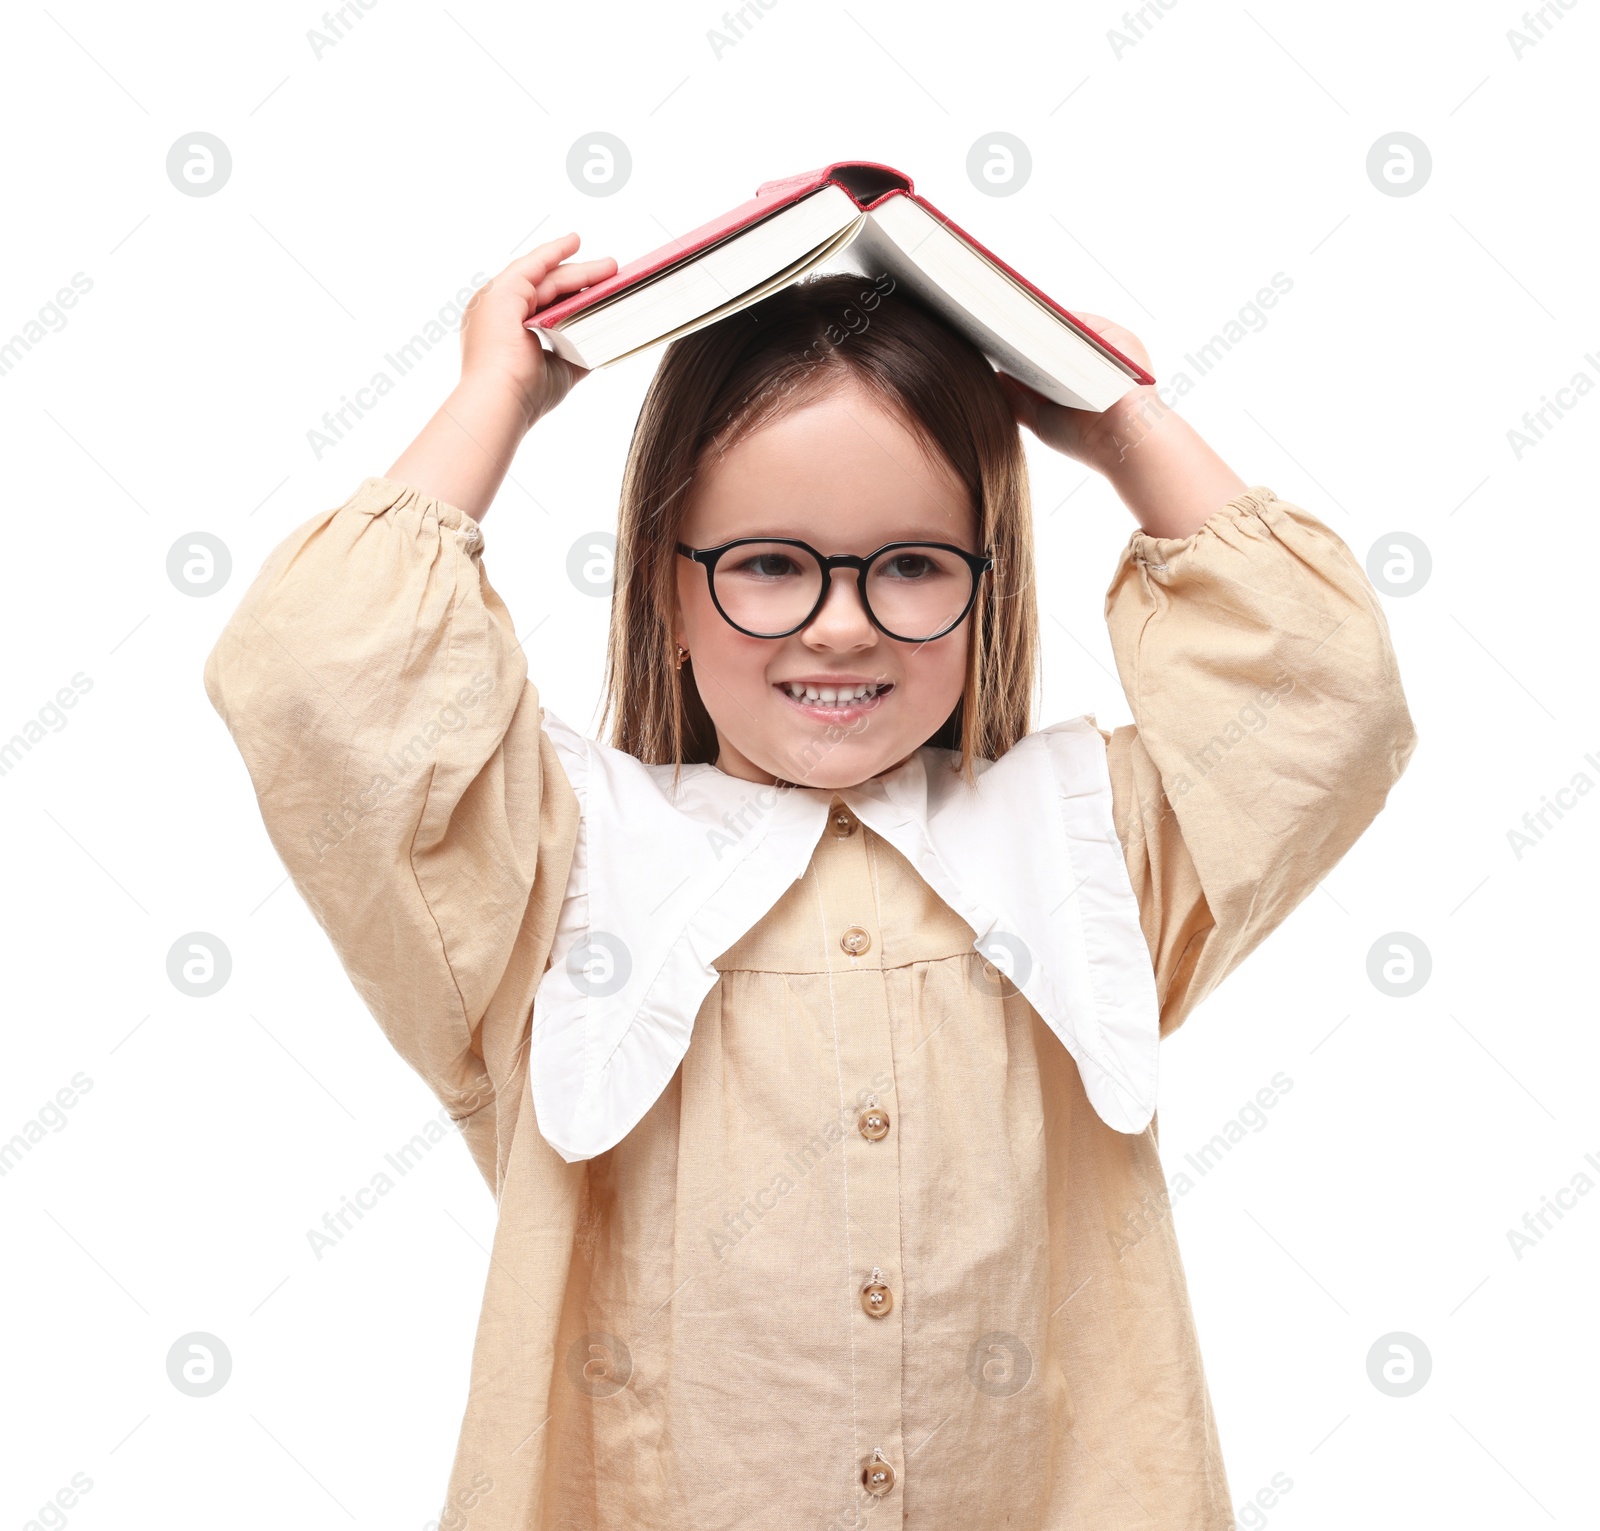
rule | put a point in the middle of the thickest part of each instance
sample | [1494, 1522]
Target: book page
[713, 281]
[1041, 348]
[790, 273]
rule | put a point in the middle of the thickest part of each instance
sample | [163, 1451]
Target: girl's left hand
[1085, 435]
[1173, 483]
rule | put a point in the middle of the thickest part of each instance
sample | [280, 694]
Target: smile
[840, 701]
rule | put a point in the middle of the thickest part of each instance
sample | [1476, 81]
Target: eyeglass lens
[770, 588]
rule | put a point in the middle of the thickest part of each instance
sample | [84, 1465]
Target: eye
[767, 565]
[909, 565]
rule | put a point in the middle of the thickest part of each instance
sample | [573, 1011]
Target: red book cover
[865, 182]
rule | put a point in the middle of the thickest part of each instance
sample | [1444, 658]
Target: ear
[679, 624]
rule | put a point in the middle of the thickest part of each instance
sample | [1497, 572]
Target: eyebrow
[827, 542]
[829, 523]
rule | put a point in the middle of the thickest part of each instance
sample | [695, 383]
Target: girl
[806, 1031]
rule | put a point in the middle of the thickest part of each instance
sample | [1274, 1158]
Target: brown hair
[727, 380]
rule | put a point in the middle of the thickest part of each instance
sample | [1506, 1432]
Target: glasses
[771, 587]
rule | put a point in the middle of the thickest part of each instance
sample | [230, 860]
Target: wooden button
[844, 823]
[855, 941]
[873, 1123]
[877, 1299]
[877, 1477]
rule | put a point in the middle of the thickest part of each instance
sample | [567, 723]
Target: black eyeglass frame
[979, 563]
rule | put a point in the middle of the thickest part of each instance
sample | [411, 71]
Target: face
[845, 475]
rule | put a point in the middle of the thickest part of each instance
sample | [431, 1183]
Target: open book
[867, 215]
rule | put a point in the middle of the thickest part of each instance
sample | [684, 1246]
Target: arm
[1270, 722]
[1166, 474]
[374, 684]
[507, 381]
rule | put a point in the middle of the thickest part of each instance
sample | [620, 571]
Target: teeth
[830, 696]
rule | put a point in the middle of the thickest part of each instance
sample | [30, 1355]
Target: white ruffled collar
[664, 881]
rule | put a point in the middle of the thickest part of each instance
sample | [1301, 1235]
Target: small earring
[683, 654]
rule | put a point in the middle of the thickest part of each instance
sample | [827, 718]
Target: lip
[835, 714]
[834, 680]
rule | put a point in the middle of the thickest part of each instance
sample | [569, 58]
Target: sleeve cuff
[1156, 552]
[378, 495]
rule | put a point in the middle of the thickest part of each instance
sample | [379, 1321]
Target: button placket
[851, 927]
[870, 1241]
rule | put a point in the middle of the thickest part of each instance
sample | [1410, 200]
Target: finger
[533, 295]
[576, 274]
[567, 277]
[1024, 402]
[1096, 322]
[540, 259]
[571, 373]
[1119, 336]
[572, 277]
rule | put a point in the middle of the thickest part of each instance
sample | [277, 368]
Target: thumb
[1024, 402]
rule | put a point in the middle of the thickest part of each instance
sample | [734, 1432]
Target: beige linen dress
[871, 1258]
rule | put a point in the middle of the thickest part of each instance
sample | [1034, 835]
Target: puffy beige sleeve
[1269, 725]
[373, 682]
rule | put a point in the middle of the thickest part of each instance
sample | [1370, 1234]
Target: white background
[1170, 181]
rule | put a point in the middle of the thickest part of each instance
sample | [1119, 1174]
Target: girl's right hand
[495, 346]
[507, 381]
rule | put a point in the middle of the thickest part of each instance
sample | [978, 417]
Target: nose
[842, 623]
